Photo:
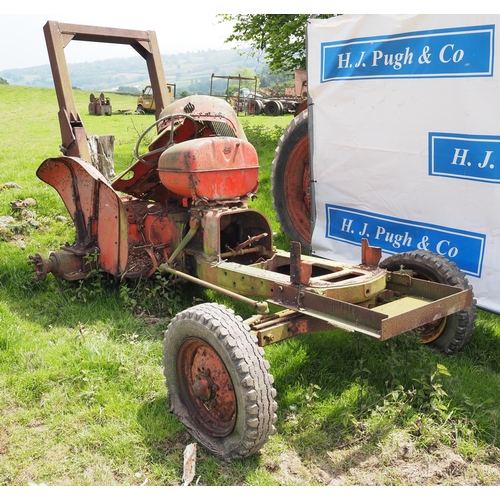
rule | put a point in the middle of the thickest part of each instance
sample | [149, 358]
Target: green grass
[82, 395]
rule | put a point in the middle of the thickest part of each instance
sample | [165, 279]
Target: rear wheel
[290, 182]
[273, 108]
[254, 107]
[258, 107]
[447, 335]
[218, 382]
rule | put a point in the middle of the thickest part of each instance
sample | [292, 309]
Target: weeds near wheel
[157, 296]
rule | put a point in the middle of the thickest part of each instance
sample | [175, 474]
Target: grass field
[82, 394]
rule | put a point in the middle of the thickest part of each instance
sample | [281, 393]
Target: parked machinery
[182, 209]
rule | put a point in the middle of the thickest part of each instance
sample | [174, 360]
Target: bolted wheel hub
[206, 387]
[430, 332]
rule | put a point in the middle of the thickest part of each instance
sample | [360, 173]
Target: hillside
[190, 71]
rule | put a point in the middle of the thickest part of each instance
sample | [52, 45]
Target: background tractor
[146, 101]
[182, 209]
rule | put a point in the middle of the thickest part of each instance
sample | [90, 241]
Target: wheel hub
[206, 387]
[430, 332]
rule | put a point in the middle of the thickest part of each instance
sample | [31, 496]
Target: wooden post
[102, 154]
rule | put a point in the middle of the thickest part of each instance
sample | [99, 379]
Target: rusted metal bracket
[57, 37]
[283, 325]
[370, 256]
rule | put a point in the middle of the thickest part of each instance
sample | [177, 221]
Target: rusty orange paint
[206, 388]
[212, 168]
[94, 206]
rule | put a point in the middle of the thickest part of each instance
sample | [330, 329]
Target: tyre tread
[252, 374]
[285, 144]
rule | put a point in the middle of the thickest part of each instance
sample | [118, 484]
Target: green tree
[124, 89]
[280, 38]
[250, 84]
[3, 81]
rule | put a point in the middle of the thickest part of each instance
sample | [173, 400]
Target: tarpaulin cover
[405, 139]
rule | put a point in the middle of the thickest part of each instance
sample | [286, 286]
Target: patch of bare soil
[397, 463]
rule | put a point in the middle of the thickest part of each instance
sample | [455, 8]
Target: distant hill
[190, 71]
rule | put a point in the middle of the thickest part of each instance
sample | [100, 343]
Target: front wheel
[218, 382]
[449, 334]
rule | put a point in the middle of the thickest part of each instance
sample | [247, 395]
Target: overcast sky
[22, 42]
[180, 26]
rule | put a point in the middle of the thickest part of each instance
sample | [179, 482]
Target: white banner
[405, 127]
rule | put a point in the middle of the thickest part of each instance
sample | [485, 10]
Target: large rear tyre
[218, 381]
[254, 107]
[290, 182]
[273, 108]
[447, 335]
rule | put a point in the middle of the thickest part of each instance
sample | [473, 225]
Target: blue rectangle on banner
[443, 53]
[395, 235]
[471, 157]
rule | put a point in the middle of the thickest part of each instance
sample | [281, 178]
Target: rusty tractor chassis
[317, 294]
[182, 209]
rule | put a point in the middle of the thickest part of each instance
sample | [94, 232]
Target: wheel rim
[206, 388]
[297, 189]
[272, 108]
[431, 331]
